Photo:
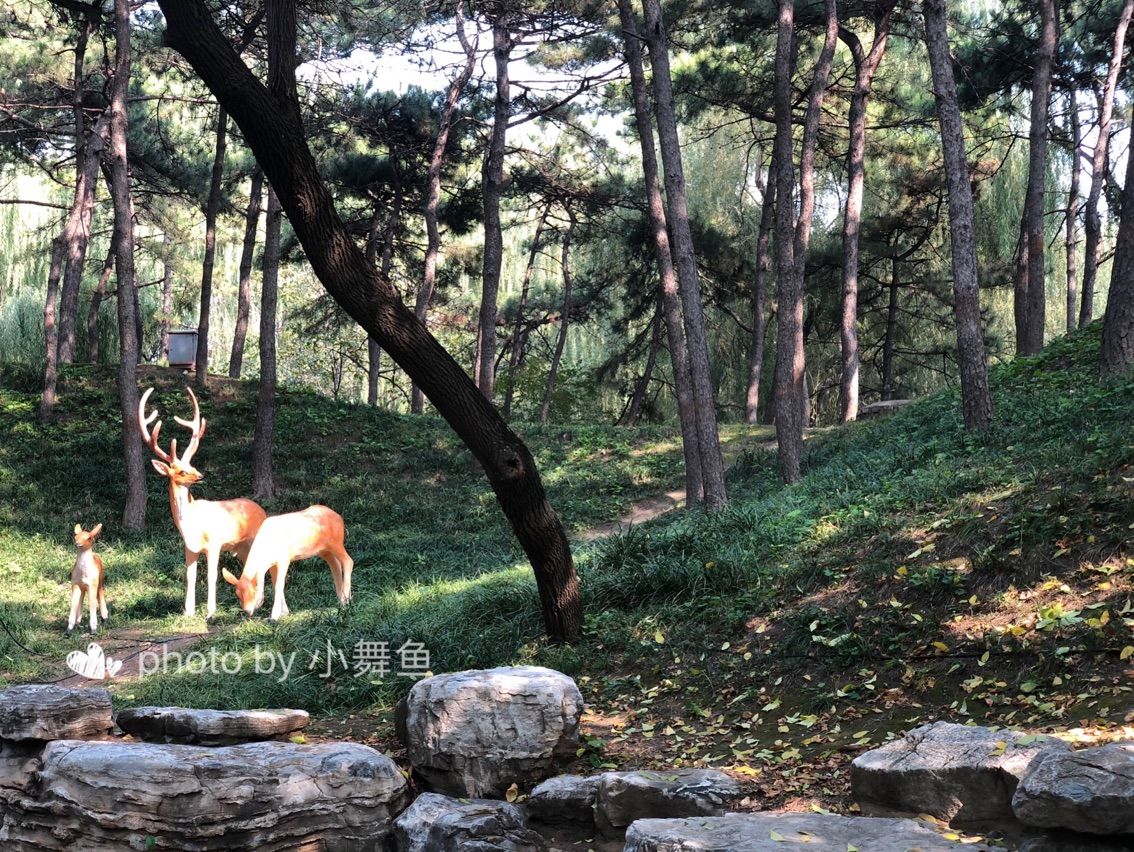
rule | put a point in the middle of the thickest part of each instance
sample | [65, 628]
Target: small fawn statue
[87, 580]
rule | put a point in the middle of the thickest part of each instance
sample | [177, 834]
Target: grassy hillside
[916, 571]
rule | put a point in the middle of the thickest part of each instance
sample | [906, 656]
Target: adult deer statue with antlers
[206, 526]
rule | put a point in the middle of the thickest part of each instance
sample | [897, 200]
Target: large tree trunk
[247, 253]
[760, 297]
[76, 234]
[688, 278]
[1118, 323]
[865, 68]
[788, 381]
[493, 179]
[433, 200]
[273, 128]
[51, 332]
[96, 302]
[263, 483]
[564, 321]
[975, 394]
[134, 512]
[516, 346]
[1093, 228]
[1034, 312]
[212, 208]
[1072, 240]
[671, 299]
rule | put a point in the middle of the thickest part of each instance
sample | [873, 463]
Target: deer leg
[336, 573]
[191, 581]
[76, 605]
[92, 607]
[346, 565]
[212, 558]
[279, 603]
[102, 601]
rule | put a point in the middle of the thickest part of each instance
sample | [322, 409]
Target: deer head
[84, 539]
[249, 589]
[180, 471]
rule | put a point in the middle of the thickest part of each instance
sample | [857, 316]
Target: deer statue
[206, 526]
[87, 579]
[283, 539]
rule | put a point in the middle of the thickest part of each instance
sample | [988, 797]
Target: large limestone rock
[565, 799]
[953, 772]
[624, 797]
[436, 823]
[475, 733]
[209, 727]
[778, 832]
[1091, 791]
[46, 712]
[270, 797]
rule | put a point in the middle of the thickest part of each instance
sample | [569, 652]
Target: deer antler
[151, 438]
[196, 426]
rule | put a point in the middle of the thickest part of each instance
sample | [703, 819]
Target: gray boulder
[270, 797]
[954, 772]
[564, 799]
[209, 727]
[624, 797]
[436, 823]
[475, 733]
[46, 712]
[776, 832]
[1091, 791]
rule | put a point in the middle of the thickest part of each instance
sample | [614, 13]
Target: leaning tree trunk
[1093, 229]
[564, 321]
[1073, 214]
[76, 234]
[212, 208]
[1035, 309]
[493, 179]
[760, 297]
[1118, 323]
[273, 128]
[788, 381]
[433, 201]
[263, 483]
[865, 68]
[247, 253]
[688, 279]
[671, 298]
[96, 302]
[517, 343]
[976, 397]
[134, 512]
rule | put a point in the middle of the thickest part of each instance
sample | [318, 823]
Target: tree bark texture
[685, 261]
[975, 394]
[273, 127]
[671, 298]
[247, 254]
[1092, 232]
[1118, 323]
[97, 296]
[263, 481]
[212, 208]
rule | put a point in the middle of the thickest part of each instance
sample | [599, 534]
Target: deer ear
[96, 530]
[78, 528]
[229, 578]
[160, 466]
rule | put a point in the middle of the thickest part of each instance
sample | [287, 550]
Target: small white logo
[93, 663]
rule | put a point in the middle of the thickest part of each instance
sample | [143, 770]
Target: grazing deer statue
[87, 579]
[283, 539]
[206, 526]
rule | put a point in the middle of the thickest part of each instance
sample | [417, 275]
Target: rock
[953, 772]
[776, 832]
[19, 761]
[209, 727]
[269, 797]
[627, 796]
[475, 733]
[45, 712]
[1091, 791]
[436, 823]
[565, 799]
[1067, 841]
